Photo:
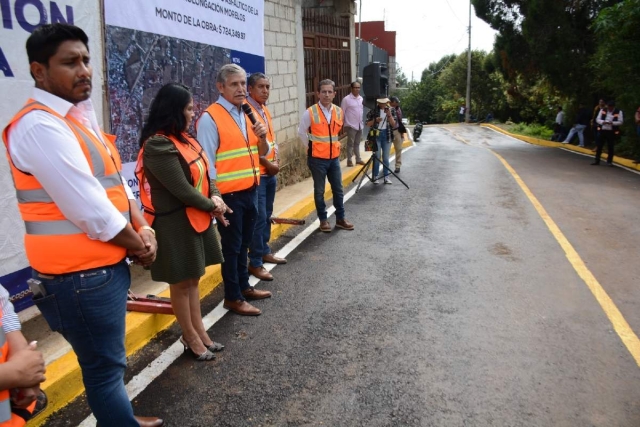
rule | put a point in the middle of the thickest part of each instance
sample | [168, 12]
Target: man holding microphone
[234, 147]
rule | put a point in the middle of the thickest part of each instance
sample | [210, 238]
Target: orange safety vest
[53, 244]
[7, 418]
[271, 136]
[237, 161]
[324, 140]
[198, 163]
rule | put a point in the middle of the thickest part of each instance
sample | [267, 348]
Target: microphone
[249, 112]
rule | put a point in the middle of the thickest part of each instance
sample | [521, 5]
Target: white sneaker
[387, 181]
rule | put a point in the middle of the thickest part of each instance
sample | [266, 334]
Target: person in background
[594, 126]
[398, 131]
[259, 250]
[609, 121]
[319, 133]
[234, 146]
[558, 127]
[180, 204]
[383, 118]
[461, 117]
[353, 107]
[21, 369]
[581, 121]
[80, 217]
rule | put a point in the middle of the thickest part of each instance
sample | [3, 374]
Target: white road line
[162, 362]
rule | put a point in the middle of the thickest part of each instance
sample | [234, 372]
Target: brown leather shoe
[325, 226]
[261, 273]
[149, 421]
[344, 224]
[271, 258]
[253, 294]
[360, 162]
[349, 163]
[241, 307]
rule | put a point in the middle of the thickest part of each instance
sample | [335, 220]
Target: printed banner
[151, 43]
[19, 19]
[229, 24]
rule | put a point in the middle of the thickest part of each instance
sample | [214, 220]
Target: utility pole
[468, 101]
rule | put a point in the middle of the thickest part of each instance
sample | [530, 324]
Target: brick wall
[282, 38]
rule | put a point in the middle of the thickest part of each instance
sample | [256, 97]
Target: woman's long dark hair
[166, 114]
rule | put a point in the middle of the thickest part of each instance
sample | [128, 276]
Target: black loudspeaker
[375, 82]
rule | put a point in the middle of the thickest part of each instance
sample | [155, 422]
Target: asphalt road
[451, 304]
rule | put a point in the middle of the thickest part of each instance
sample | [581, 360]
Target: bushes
[534, 130]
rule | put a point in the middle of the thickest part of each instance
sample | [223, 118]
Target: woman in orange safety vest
[180, 201]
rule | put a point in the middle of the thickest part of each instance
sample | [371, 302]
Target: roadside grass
[626, 147]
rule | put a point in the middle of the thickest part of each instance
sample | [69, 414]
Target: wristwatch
[146, 227]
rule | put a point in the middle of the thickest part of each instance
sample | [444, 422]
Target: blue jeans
[235, 239]
[385, 145]
[88, 308]
[262, 232]
[579, 129]
[322, 169]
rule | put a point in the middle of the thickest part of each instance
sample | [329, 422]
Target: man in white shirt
[558, 128]
[353, 107]
[319, 133]
[609, 121]
[88, 219]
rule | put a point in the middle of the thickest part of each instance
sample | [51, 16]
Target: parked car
[405, 121]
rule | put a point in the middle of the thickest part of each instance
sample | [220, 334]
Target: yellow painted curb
[64, 380]
[535, 141]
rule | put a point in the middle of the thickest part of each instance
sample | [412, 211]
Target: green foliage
[534, 130]
[550, 39]
[616, 63]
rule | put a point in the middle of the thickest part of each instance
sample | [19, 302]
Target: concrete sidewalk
[64, 381]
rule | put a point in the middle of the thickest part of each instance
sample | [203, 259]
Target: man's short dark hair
[353, 83]
[611, 103]
[394, 99]
[44, 42]
[253, 78]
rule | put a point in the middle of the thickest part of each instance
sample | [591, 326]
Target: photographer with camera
[382, 119]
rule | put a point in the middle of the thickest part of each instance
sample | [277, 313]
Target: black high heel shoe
[204, 357]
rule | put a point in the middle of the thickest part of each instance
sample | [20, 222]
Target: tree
[616, 64]
[550, 39]
[401, 78]
[487, 87]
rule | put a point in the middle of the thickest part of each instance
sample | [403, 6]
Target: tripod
[364, 173]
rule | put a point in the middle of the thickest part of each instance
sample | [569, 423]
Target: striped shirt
[10, 322]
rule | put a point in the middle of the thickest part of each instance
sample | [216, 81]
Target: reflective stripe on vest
[324, 139]
[237, 161]
[5, 405]
[196, 159]
[55, 245]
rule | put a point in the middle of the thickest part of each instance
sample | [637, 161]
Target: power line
[454, 13]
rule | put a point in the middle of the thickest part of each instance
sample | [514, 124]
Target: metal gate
[327, 52]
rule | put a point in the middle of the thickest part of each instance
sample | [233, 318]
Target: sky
[427, 30]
